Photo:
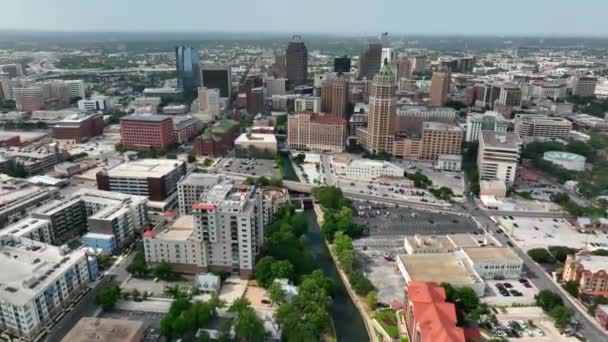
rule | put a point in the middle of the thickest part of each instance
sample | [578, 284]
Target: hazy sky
[521, 17]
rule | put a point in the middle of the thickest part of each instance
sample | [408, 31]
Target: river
[347, 320]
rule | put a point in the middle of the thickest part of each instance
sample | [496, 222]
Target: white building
[309, 104]
[275, 86]
[542, 126]
[209, 101]
[75, 88]
[191, 187]
[449, 162]
[498, 156]
[364, 169]
[151, 102]
[488, 121]
[94, 104]
[256, 145]
[31, 228]
[37, 281]
[493, 262]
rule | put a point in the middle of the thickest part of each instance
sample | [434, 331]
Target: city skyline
[539, 18]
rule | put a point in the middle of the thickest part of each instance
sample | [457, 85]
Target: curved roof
[563, 155]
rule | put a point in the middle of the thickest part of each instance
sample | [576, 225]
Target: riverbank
[359, 303]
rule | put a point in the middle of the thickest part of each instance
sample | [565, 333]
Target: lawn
[388, 320]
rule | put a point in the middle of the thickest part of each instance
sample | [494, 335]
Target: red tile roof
[435, 317]
[150, 234]
[203, 206]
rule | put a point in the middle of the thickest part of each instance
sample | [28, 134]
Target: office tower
[144, 132]
[488, 121]
[307, 104]
[296, 58]
[410, 118]
[510, 95]
[255, 101]
[543, 127]
[316, 133]
[498, 156]
[584, 86]
[279, 68]
[381, 122]
[465, 65]
[334, 97]
[188, 70]
[191, 187]
[402, 68]
[29, 99]
[419, 63]
[218, 77]
[78, 128]
[275, 86]
[440, 88]
[342, 64]
[209, 101]
[486, 94]
[387, 55]
[440, 138]
[370, 61]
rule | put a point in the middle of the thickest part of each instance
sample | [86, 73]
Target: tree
[248, 326]
[548, 300]
[562, 315]
[571, 287]
[14, 169]
[360, 283]
[163, 271]
[371, 300]
[540, 255]
[276, 293]
[191, 158]
[330, 197]
[468, 298]
[107, 297]
[282, 269]
[346, 258]
[263, 271]
[561, 252]
[239, 304]
[595, 302]
[138, 266]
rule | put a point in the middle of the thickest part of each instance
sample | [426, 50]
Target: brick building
[316, 132]
[78, 128]
[218, 139]
[142, 132]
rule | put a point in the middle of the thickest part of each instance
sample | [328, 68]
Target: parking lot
[531, 233]
[525, 324]
[151, 320]
[452, 180]
[253, 167]
[510, 292]
[383, 274]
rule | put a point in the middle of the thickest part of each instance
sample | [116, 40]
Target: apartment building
[30, 228]
[29, 99]
[589, 271]
[488, 121]
[316, 132]
[440, 138]
[191, 187]
[34, 159]
[542, 126]
[498, 156]
[18, 197]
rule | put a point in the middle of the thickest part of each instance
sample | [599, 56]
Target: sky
[359, 17]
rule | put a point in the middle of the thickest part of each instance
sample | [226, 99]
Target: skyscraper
[334, 97]
[342, 64]
[382, 112]
[370, 60]
[297, 62]
[440, 88]
[188, 70]
[218, 77]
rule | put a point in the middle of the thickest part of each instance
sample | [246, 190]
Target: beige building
[308, 104]
[498, 156]
[584, 86]
[209, 101]
[249, 145]
[493, 262]
[495, 188]
[316, 132]
[29, 99]
[589, 271]
[107, 330]
[334, 97]
[543, 126]
[440, 138]
[440, 88]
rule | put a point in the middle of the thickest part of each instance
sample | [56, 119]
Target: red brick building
[79, 128]
[10, 140]
[217, 140]
[428, 317]
[142, 132]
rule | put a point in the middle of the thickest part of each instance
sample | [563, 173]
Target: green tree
[562, 315]
[547, 300]
[276, 293]
[107, 297]
[163, 271]
[561, 252]
[282, 269]
[248, 326]
[191, 158]
[540, 255]
[371, 300]
[468, 298]
[360, 283]
[571, 287]
[138, 266]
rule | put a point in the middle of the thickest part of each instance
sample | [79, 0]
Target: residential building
[307, 104]
[370, 61]
[18, 197]
[334, 97]
[428, 316]
[191, 187]
[498, 156]
[256, 145]
[34, 159]
[296, 57]
[143, 132]
[510, 95]
[29, 99]
[411, 118]
[488, 121]
[218, 139]
[342, 64]
[440, 138]
[588, 271]
[218, 77]
[487, 94]
[440, 88]
[381, 120]
[188, 70]
[30, 228]
[542, 126]
[94, 104]
[276, 86]
[601, 315]
[186, 127]
[106, 329]
[584, 86]
[493, 262]
[38, 282]
[78, 128]
[316, 132]
[209, 101]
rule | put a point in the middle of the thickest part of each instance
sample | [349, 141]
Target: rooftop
[105, 329]
[146, 118]
[180, 229]
[245, 137]
[563, 155]
[489, 254]
[593, 263]
[437, 268]
[441, 126]
[501, 140]
[145, 168]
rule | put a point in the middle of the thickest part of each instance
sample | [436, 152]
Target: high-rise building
[320, 133]
[255, 101]
[486, 94]
[440, 88]
[402, 67]
[191, 187]
[12, 70]
[296, 58]
[275, 86]
[307, 104]
[510, 95]
[418, 63]
[279, 67]
[381, 121]
[209, 101]
[370, 61]
[334, 97]
[75, 88]
[498, 156]
[387, 55]
[342, 64]
[218, 77]
[584, 86]
[188, 70]
[411, 118]
[29, 99]
[542, 126]
[440, 138]
[488, 121]
[144, 132]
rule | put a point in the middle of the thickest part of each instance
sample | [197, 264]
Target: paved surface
[383, 274]
[259, 167]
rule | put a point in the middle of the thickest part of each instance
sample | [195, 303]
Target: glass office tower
[188, 70]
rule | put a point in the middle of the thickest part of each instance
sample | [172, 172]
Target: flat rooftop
[489, 254]
[201, 179]
[256, 137]
[105, 329]
[501, 140]
[180, 229]
[441, 126]
[593, 263]
[437, 268]
[145, 168]
[146, 118]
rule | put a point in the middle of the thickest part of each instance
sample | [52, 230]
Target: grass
[388, 321]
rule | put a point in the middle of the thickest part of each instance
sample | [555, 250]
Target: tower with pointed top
[382, 112]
